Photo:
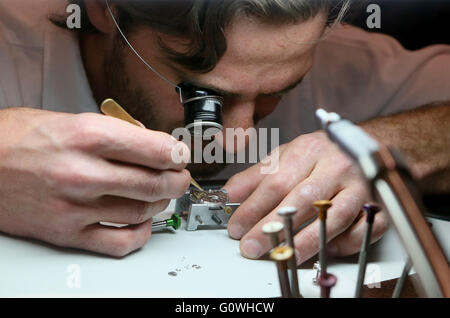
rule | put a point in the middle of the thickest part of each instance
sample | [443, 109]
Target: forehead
[254, 41]
[260, 56]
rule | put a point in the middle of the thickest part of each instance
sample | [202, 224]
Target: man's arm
[311, 167]
[62, 174]
[423, 137]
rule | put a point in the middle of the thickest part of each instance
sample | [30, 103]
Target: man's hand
[62, 174]
[310, 168]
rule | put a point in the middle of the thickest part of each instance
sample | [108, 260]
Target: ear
[99, 15]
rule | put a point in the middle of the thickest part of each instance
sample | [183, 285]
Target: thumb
[242, 185]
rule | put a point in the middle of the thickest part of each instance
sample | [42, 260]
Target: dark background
[415, 23]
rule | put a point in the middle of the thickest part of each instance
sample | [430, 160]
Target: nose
[237, 125]
[238, 114]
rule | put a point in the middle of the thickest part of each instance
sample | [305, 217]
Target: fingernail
[236, 231]
[183, 147]
[251, 248]
[180, 153]
[332, 250]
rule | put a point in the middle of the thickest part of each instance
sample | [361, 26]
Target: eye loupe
[202, 107]
[202, 111]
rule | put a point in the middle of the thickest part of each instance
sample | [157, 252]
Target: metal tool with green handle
[174, 222]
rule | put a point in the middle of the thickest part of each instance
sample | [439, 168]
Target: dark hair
[203, 22]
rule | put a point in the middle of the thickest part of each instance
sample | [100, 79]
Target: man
[65, 172]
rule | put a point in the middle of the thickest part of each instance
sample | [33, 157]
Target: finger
[270, 192]
[87, 180]
[116, 242]
[345, 208]
[241, 185]
[350, 241]
[324, 181]
[116, 139]
[147, 184]
[254, 243]
[121, 210]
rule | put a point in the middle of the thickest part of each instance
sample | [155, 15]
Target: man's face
[262, 63]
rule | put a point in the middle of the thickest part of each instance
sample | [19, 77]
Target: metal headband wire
[139, 56]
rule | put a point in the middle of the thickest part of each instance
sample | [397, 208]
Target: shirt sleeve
[363, 75]
[10, 94]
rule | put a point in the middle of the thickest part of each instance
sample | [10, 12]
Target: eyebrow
[226, 93]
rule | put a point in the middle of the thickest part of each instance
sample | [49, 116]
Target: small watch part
[208, 196]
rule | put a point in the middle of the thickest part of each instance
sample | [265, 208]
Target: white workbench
[207, 264]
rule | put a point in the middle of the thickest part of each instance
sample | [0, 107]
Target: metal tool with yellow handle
[111, 108]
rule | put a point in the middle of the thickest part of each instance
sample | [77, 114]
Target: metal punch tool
[393, 186]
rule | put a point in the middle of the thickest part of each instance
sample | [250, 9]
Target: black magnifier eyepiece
[202, 110]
